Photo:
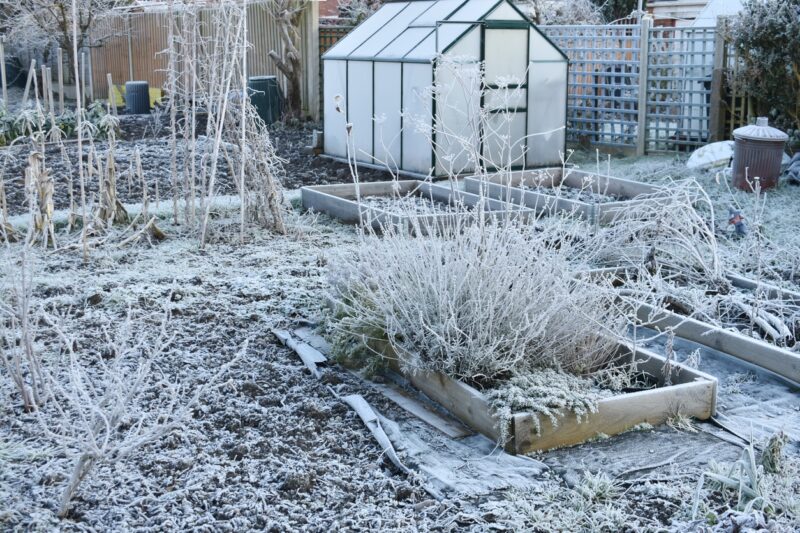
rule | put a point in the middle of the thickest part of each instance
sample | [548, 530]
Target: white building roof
[415, 30]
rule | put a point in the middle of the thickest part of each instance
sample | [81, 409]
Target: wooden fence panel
[131, 46]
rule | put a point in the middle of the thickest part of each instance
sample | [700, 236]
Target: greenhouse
[446, 87]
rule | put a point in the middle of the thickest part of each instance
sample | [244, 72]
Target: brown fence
[131, 46]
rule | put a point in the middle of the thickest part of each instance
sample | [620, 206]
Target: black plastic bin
[265, 95]
[137, 97]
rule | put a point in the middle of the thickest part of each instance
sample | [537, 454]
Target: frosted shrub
[476, 302]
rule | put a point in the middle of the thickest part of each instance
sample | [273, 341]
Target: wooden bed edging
[506, 186]
[773, 358]
[692, 393]
[339, 202]
[755, 351]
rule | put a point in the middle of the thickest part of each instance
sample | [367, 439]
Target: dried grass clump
[480, 302]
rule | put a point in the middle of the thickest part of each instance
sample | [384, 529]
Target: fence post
[644, 61]
[312, 60]
[130, 50]
[716, 119]
[60, 59]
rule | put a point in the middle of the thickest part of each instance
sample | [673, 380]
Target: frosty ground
[270, 447]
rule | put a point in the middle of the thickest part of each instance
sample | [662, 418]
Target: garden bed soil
[150, 134]
[591, 197]
[451, 204]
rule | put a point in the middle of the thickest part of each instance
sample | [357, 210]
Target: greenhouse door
[505, 55]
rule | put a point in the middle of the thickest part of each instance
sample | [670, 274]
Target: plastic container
[757, 153]
[137, 97]
[265, 95]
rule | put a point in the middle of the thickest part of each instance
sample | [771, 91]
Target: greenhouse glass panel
[334, 126]
[543, 50]
[438, 12]
[505, 53]
[504, 139]
[387, 114]
[516, 98]
[417, 149]
[547, 106]
[505, 12]
[364, 30]
[471, 11]
[408, 40]
[458, 111]
[390, 31]
[467, 46]
[359, 114]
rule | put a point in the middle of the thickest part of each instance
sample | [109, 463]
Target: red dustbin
[757, 154]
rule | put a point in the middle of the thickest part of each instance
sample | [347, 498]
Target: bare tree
[40, 23]
[288, 13]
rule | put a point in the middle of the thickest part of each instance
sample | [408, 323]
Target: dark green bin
[265, 95]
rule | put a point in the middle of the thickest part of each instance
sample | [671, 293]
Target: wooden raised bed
[339, 201]
[691, 393]
[779, 360]
[508, 187]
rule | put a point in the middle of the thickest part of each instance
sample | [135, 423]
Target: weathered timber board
[339, 201]
[775, 359]
[507, 187]
[692, 393]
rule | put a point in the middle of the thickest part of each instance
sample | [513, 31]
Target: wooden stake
[83, 77]
[44, 89]
[60, 81]
[50, 105]
[3, 71]
[111, 96]
[31, 74]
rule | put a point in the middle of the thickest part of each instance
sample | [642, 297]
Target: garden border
[338, 201]
[505, 186]
[693, 394]
[777, 360]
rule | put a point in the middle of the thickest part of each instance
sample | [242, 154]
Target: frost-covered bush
[478, 302]
[765, 35]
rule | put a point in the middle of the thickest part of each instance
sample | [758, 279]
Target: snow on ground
[270, 447]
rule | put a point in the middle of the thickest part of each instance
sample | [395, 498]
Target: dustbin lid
[760, 131]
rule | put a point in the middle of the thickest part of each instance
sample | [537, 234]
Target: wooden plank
[464, 402]
[693, 394]
[307, 354]
[412, 405]
[772, 292]
[111, 98]
[308, 336]
[615, 415]
[31, 74]
[780, 361]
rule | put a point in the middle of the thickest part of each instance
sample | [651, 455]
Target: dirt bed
[150, 134]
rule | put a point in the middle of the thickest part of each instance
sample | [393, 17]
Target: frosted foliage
[563, 11]
[545, 394]
[478, 302]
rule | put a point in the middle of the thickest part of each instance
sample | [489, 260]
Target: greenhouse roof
[416, 30]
